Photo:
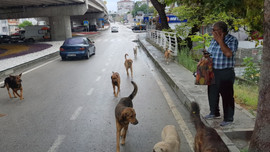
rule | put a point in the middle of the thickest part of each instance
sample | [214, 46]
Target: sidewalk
[182, 82]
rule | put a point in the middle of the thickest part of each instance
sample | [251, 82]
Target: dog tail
[195, 115]
[133, 94]
[126, 56]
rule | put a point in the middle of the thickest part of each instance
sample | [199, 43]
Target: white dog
[170, 140]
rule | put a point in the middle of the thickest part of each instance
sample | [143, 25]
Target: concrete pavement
[182, 82]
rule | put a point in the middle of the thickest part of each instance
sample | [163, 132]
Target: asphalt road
[69, 105]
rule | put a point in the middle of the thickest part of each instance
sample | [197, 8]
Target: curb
[186, 98]
[17, 68]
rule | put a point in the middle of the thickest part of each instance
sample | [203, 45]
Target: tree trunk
[161, 11]
[260, 140]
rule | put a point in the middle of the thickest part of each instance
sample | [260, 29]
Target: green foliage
[240, 13]
[185, 59]
[203, 40]
[25, 23]
[139, 6]
[251, 72]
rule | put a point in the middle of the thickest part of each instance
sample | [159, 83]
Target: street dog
[135, 51]
[115, 82]
[206, 138]
[128, 65]
[167, 55]
[125, 114]
[170, 140]
[15, 83]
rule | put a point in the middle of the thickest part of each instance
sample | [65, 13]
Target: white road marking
[57, 143]
[76, 113]
[98, 78]
[35, 68]
[89, 93]
[177, 115]
[40, 66]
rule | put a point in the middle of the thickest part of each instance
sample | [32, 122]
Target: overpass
[59, 12]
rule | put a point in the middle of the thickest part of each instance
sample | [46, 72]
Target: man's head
[220, 27]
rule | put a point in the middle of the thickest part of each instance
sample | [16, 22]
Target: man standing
[222, 49]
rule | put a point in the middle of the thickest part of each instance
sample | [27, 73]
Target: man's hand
[218, 36]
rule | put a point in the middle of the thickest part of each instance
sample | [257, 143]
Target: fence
[164, 40]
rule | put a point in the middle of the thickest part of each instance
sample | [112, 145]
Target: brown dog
[135, 51]
[207, 138]
[128, 65]
[115, 82]
[15, 83]
[170, 140]
[167, 55]
[125, 114]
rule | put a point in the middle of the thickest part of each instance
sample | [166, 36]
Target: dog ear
[20, 75]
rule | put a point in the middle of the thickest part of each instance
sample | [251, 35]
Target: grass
[185, 59]
[245, 94]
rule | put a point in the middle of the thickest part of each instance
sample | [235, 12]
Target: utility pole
[147, 14]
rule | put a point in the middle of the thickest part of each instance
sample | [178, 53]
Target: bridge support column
[60, 27]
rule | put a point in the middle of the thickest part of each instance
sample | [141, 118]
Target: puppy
[125, 114]
[206, 138]
[128, 65]
[135, 51]
[167, 55]
[115, 82]
[170, 140]
[15, 83]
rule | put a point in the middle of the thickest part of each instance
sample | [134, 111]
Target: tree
[25, 23]
[260, 137]
[160, 7]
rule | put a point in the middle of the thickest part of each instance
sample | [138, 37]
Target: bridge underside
[59, 13]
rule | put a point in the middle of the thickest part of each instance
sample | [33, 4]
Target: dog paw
[123, 142]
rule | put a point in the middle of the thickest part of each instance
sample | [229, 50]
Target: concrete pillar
[60, 27]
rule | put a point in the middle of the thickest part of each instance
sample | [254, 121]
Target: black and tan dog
[15, 83]
[170, 140]
[115, 82]
[125, 114]
[128, 65]
[207, 138]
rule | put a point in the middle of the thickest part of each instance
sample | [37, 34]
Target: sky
[112, 4]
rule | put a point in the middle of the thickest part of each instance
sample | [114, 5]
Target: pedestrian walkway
[182, 82]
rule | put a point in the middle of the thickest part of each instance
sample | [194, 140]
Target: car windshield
[74, 41]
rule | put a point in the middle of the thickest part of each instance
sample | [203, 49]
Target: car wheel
[87, 55]
[63, 58]
[31, 40]
[94, 52]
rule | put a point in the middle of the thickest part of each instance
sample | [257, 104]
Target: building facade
[124, 6]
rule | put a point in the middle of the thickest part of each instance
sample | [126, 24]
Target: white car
[114, 29]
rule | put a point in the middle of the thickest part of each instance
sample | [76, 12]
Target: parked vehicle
[17, 37]
[139, 27]
[36, 33]
[114, 29]
[79, 29]
[77, 47]
[4, 38]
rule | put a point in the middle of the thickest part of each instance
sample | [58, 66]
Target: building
[4, 27]
[124, 6]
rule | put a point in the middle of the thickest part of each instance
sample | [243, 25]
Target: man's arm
[224, 48]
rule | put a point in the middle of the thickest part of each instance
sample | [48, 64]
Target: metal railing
[164, 40]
